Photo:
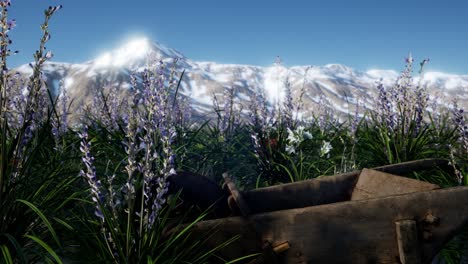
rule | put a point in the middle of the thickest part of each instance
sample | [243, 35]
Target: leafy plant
[31, 174]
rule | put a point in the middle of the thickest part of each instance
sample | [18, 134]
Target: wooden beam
[238, 198]
[408, 243]
[352, 232]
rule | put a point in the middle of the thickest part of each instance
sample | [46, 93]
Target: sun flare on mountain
[134, 49]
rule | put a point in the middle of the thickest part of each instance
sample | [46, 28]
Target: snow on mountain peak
[274, 78]
[135, 53]
[133, 50]
[339, 84]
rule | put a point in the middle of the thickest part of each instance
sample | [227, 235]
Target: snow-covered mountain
[340, 85]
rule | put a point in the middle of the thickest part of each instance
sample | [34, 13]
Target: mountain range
[338, 85]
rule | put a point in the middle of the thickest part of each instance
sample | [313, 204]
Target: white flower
[290, 149]
[307, 135]
[296, 137]
[292, 138]
[325, 149]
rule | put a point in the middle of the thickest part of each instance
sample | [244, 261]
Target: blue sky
[363, 34]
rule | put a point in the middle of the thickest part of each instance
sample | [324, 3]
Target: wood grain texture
[374, 184]
[324, 189]
[349, 232]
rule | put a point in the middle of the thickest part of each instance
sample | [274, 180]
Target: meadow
[93, 188]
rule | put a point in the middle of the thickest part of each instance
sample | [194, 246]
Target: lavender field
[85, 173]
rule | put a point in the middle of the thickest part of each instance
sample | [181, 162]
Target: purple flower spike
[11, 24]
[5, 3]
[90, 173]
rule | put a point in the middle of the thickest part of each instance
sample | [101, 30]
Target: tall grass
[97, 191]
[32, 176]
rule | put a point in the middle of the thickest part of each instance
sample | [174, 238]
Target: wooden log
[236, 195]
[268, 254]
[408, 242]
[323, 190]
[349, 232]
[405, 168]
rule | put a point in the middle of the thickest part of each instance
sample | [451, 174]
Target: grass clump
[97, 191]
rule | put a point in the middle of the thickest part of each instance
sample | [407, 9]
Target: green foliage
[35, 182]
[48, 215]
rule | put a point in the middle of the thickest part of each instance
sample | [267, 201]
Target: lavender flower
[288, 107]
[278, 61]
[422, 98]
[183, 112]
[452, 162]
[325, 113]
[355, 121]
[11, 24]
[228, 107]
[461, 126]
[63, 104]
[90, 173]
[384, 107]
[16, 92]
[112, 201]
[157, 123]
[259, 116]
[5, 3]
[132, 148]
[300, 102]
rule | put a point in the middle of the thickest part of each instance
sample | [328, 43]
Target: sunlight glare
[130, 51]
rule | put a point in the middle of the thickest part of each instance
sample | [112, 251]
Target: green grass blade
[65, 224]
[43, 217]
[18, 248]
[6, 254]
[45, 246]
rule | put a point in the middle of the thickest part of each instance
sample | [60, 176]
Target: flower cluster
[259, 114]
[108, 105]
[325, 149]
[157, 135]
[402, 104]
[459, 121]
[288, 105]
[60, 122]
[296, 137]
[132, 147]
[30, 105]
[228, 114]
[90, 173]
[325, 114]
[384, 107]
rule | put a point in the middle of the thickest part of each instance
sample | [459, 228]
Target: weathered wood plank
[238, 197]
[350, 232]
[405, 168]
[408, 242]
[323, 190]
[268, 253]
[374, 184]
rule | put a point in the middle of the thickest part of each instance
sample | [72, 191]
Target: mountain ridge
[341, 85]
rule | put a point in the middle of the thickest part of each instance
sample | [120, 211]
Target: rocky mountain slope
[342, 87]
